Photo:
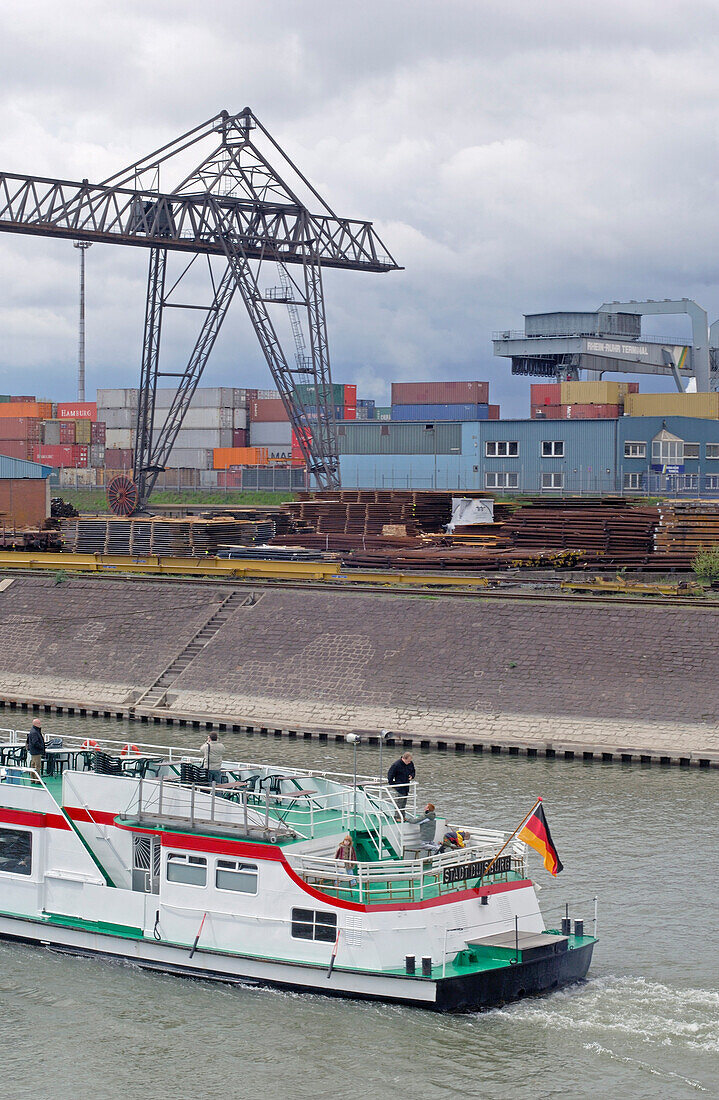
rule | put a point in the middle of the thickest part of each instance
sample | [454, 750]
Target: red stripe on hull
[35, 819]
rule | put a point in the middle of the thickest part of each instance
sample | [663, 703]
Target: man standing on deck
[36, 745]
[212, 752]
[399, 776]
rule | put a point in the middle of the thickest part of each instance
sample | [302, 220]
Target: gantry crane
[235, 206]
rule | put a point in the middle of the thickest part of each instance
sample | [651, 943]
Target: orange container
[39, 409]
[222, 457]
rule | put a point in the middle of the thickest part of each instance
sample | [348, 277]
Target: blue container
[365, 403]
[440, 412]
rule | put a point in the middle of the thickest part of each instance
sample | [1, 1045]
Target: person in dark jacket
[36, 745]
[399, 776]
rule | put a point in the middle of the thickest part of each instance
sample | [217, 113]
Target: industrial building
[630, 454]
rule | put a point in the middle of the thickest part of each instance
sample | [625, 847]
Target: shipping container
[51, 434]
[77, 477]
[371, 437]
[118, 418]
[216, 397]
[67, 431]
[590, 412]
[704, 405]
[208, 417]
[83, 431]
[41, 410]
[21, 427]
[190, 458]
[340, 394]
[178, 477]
[365, 403]
[230, 478]
[239, 456]
[97, 454]
[73, 455]
[208, 479]
[204, 437]
[77, 410]
[265, 433]
[16, 448]
[116, 399]
[97, 432]
[118, 458]
[349, 412]
[383, 412]
[120, 437]
[545, 393]
[240, 437]
[493, 412]
[270, 410]
[546, 412]
[440, 393]
[440, 412]
[595, 393]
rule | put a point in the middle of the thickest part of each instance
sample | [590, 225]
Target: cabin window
[15, 852]
[501, 448]
[191, 870]
[232, 875]
[308, 924]
[635, 450]
[552, 448]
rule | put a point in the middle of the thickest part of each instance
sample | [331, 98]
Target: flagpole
[524, 820]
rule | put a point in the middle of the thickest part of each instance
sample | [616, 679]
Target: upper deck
[303, 812]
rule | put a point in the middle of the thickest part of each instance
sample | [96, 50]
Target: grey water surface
[645, 1024]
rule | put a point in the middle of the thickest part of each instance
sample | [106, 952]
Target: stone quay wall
[556, 676]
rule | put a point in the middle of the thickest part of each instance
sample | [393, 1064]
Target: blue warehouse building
[643, 454]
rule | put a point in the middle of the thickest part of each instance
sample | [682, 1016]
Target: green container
[307, 393]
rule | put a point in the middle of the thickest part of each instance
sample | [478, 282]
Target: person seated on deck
[346, 852]
[427, 828]
[453, 840]
[212, 752]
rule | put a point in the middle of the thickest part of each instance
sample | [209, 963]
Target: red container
[118, 458]
[440, 393]
[267, 410]
[97, 432]
[493, 412]
[350, 397]
[20, 427]
[77, 410]
[350, 412]
[590, 412]
[75, 456]
[231, 478]
[240, 437]
[67, 431]
[546, 412]
[14, 448]
[545, 393]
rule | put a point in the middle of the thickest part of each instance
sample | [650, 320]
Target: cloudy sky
[514, 157]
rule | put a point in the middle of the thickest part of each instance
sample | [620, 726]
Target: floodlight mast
[235, 206]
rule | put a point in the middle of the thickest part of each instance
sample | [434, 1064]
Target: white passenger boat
[133, 855]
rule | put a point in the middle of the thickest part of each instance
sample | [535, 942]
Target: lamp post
[354, 739]
[83, 246]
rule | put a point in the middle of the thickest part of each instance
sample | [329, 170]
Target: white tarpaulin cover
[467, 510]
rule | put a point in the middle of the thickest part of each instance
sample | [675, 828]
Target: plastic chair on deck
[107, 765]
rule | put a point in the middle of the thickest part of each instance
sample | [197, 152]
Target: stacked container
[18, 434]
[430, 401]
[579, 400]
[703, 405]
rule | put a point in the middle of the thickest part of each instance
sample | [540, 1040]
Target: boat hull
[470, 992]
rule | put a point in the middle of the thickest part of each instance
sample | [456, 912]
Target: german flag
[535, 832]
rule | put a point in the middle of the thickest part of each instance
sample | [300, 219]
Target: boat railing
[413, 879]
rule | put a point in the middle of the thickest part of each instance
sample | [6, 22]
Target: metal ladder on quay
[156, 694]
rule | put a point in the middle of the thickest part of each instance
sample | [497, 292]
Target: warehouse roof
[15, 468]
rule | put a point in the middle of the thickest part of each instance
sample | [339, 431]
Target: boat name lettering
[475, 870]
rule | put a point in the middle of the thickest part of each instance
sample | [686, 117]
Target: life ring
[129, 750]
[89, 743]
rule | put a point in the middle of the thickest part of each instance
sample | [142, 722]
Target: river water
[644, 1025]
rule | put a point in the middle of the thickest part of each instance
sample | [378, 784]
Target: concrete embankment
[550, 678]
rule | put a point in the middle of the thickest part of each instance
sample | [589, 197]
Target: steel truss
[234, 205]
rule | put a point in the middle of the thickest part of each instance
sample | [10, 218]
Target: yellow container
[83, 429]
[705, 405]
[593, 393]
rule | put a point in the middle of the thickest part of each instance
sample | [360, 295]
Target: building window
[691, 481]
[635, 450]
[552, 448]
[711, 481]
[691, 450]
[191, 870]
[669, 452]
[632, 481]
[553, 481]
[713, 450]
[501, 479]
[307, 924]
[501, 448]
[230, 874]
[15, 852]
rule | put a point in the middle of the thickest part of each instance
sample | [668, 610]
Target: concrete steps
[156, 694]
